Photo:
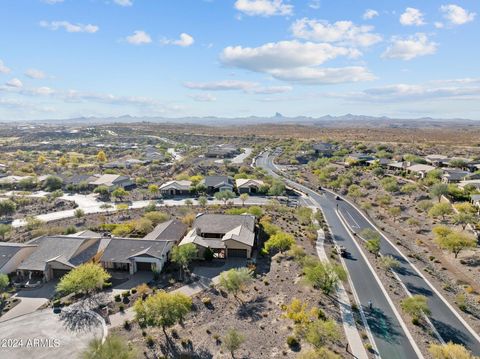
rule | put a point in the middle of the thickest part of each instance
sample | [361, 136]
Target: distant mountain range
[347, 120]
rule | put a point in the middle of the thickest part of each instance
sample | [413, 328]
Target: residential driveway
[44, 335]
[30, 300]
[135, 280]
[212, 269]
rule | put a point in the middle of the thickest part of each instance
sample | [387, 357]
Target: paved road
[444, 318]
[448, 323]
[391, 339]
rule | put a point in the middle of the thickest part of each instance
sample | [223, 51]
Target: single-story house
[218, 183]
[222, 151]
[12, 254]
[128, 163]
[55, 256]
[474, 183]
[437, 160]
[420, 169]
[398, 166]
[358, 159]
[111, 181]
[151, 154]
[382, 162]
[248, 185]
[176, 188]
[225, 235]
[323, 149]
[172, 230]
[454, 175]
[133, 255]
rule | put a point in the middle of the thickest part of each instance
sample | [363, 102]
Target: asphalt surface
[390, 338]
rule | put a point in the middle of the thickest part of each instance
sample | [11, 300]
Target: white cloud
[4, 69]
[456, 89]
[297, 62]
[344, 32]
[264, 7]
[320, 76]
[203, 97]
[52, 2]
[35, 74]
[123, 2]
[185, 40]
[283, 54]
[221, 85]
[456, 15]
[412, 16]
[370, 14]
[314, 4]
[438, 25]
[69, 27]
[236, 85]
[16, 83]
[410, 47]
[139, 37]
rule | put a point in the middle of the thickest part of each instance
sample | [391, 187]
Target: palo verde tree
[450, 351]
[224, 196]
[280, 241]
[438, 190]
[162, 310]
[7, 208]
[323, 275]
[416, 306]
[232, 341]
[86, 278]
[235, 280]
[453, 241]
[372, 240]
[183, 255]
[112, 348]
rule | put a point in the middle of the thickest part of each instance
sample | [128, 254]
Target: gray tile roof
[61, 248]
[119, 250]
[217, 181]
[172, 230]
[223, 223]
[8, 250]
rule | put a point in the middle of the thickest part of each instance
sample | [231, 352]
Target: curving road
[392, 340]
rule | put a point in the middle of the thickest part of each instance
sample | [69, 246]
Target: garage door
[144, 266]
[59, 273]
[242, 253]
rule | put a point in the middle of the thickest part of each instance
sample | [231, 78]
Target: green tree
[162, 310]
[424, 205]
[438, 190]
[324, 275]
[202, 201]
[463, 219]
[4, 282]
[101, 156]
[320, 332]
[280, 241]
[119, 193]
[409, 188]
[103, 192]
[232, 341]
[277, 188]
[372, 240]
[441, 209]
[244, 197]
[153, 190]
[453, 241]
[235, 280]
[86, 278]
[389, 263]
[4, 230]
[7, 208]
[415, 306]
[114, 347]
[224, 196]
[183, 255]
[450, 351]
[390, 184]
[52, 183]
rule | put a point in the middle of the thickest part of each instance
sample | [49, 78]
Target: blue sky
[71, 58]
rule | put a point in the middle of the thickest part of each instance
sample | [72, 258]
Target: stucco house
[13, 254]
[248, 185]
[225, 235]
[54, 256]
[111, 181]
[133, 255]
[176, 188]
[218, 183]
